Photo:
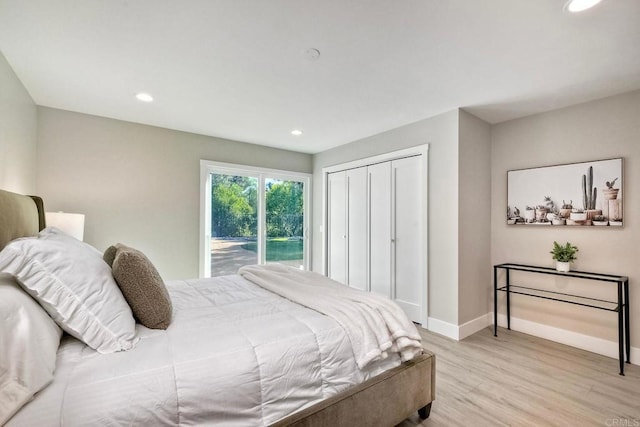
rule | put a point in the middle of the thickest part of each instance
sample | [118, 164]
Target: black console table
[621, 306]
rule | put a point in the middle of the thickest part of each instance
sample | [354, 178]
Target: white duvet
[235, 354]
[375, 325]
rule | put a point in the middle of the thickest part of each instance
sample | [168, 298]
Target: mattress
[235, 354]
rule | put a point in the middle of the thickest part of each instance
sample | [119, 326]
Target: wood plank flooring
[521, 380]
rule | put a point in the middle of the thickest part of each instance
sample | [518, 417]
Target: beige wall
[441, 133]
[138, 184]
[18, 117]
[474, 219]
[601, 129]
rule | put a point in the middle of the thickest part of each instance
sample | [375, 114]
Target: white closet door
[407, 248]
[337, 226]
[380, 228]
[357, 230]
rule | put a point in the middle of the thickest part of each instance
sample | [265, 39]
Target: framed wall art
[575, 194]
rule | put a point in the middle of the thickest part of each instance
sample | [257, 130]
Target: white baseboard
[459, 332]
[563, 336]
[443, 328]
[473, 326]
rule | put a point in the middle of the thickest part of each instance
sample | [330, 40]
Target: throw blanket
[374, 324]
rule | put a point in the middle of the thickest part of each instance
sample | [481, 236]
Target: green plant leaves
[564, 253]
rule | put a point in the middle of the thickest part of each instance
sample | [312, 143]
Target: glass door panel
[251, 216]
[284, 211]
[234, 223]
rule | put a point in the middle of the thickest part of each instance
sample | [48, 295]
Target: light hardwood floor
[521, 380]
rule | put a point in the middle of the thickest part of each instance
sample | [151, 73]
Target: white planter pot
[529, 215]
[578, 216]
[563, 266]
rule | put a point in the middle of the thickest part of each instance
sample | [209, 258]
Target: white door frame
[207, 167]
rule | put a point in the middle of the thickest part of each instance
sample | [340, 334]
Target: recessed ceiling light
[580, 5]
[312, 54]
[144, 97]
[296, 132]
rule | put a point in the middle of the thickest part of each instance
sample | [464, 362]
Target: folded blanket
[374, 324]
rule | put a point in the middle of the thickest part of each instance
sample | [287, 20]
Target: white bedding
[375, 325]
[234, 354]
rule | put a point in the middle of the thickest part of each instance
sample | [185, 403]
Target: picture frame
[584, 194]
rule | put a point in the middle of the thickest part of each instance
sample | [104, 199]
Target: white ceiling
[236, 69]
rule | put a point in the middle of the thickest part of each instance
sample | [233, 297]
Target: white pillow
[29, 340]
[76, 287]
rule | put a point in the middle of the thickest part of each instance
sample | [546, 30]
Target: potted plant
[529, 214]
[600, 220]
[512, 216]
[578, 215]
[589, 196]
[565, 211]
[616, 222]
[564, 255]
[611, 193]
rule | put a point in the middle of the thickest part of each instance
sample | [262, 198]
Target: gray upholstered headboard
[20, 216]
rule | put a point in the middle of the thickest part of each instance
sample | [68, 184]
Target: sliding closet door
[337, 226]
[376, 227]
[407, 246]
[380, 228]
[357, 231]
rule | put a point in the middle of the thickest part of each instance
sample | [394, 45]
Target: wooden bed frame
[384, 400]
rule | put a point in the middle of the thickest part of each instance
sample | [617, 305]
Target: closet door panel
[380, 228]
[407, 256]
[357, 228]
[337, 227]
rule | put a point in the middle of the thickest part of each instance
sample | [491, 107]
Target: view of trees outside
[284, 209]
[234, 222]
[234, 204]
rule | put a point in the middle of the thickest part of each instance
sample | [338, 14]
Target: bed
[234, 353]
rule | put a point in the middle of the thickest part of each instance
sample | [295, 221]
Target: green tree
[284, 209]
[233, 206]
[234, 203]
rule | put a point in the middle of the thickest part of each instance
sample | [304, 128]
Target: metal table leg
[495, 301]
[626, 321]
[508, 303]
[620, 328]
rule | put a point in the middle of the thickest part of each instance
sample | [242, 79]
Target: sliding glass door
[252, 216]
[234, 222]
[284, 202]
